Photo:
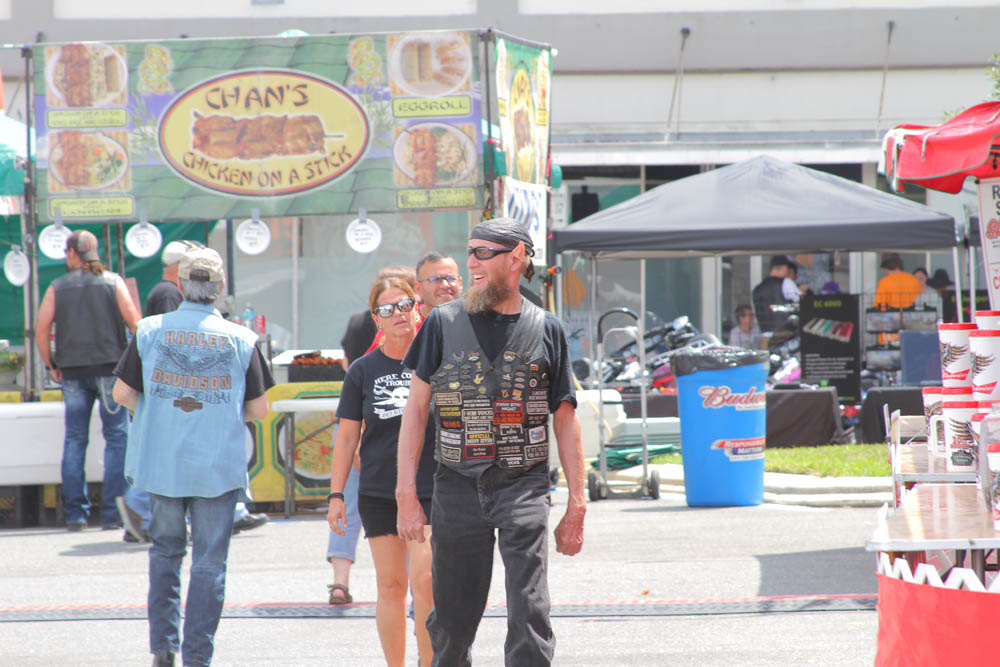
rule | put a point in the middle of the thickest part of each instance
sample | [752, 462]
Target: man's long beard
[481, 299]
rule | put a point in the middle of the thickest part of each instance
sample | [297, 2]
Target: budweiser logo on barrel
[724, 397]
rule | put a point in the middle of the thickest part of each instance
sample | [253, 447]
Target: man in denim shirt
[90, 308]
[193, 379]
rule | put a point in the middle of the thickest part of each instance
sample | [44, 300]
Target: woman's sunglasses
[483, 253]
[404, 306]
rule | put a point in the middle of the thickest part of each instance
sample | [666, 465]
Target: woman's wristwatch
[338, 496]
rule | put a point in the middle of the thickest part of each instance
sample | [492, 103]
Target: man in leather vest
[496, 366]
[769, 293]
[90, 308]
[193, 379]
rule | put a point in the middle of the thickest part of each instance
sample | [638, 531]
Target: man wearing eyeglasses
[496, 366]
[438, 281]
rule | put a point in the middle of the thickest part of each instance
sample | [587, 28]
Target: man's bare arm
[43, 329]
[569, 532]
[255, 408]
[126, 307]
[124, 394]
[411, 520]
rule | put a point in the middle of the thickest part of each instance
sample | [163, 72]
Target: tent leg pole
[642, 372]
[593, 312]
[958, 283]
[972, 283]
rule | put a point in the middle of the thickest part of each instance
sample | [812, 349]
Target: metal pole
[642, 373]
[972, 282]
[33, 378]
[958, 282]
[231, 263]
[295, 282]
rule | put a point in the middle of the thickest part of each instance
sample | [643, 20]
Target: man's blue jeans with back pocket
[78, 398]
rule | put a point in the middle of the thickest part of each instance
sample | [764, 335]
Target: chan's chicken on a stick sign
[206, 129]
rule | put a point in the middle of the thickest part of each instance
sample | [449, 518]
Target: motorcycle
[619, 367]
[784, 348]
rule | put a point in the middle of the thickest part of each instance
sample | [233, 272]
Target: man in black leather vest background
[496, 366]
[90, 308]
[769, 293]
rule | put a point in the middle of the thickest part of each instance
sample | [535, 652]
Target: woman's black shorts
[378, 515]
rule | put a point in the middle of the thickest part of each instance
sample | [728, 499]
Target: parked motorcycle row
[619, 366]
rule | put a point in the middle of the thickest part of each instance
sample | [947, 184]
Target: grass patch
[822, 461]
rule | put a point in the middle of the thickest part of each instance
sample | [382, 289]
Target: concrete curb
[782, 488]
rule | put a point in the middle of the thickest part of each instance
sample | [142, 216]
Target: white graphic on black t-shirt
[390, 392]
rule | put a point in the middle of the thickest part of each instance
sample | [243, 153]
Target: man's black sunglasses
[483, 253]
[404, 306]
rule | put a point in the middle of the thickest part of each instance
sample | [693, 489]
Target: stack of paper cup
[956, 360]
[936, 436]
[986, 407]
[958, 435]
[984, 363]
[988, 319]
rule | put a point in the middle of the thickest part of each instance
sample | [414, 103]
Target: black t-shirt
[258, 377]
[359, 335]
[492, 330]
[165, 297]
[375, 391]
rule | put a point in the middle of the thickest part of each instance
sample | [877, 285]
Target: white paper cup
[958, 438]
[984, 366]
[956, 359]
[987, 319]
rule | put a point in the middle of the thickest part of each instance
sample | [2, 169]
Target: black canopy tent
[759, 206]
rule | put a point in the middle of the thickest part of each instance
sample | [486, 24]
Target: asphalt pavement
[657, 583]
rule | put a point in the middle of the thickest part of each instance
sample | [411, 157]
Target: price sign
[364, 236]
[52, 241]
[16, 267]
[143, 240]
[253, 236]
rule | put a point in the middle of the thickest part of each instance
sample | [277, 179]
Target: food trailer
[379, 128]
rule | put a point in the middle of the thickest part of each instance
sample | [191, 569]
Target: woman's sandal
[339, 594]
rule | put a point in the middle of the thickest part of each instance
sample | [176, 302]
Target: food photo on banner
[523, 73]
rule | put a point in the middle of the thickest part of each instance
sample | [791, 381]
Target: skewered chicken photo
[86, 160]
[225, 138]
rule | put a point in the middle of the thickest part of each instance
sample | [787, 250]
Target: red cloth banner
[926, 625]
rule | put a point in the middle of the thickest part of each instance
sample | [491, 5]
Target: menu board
[205, 129]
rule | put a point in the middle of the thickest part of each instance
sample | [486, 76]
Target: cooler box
[722, 403]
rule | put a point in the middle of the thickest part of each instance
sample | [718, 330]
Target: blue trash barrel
[721, 401]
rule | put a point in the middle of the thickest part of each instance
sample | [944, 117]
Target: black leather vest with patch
[491, 412]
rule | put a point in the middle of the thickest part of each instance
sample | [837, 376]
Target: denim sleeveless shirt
[188, 434]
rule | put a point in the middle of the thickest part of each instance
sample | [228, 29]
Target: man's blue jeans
[211, 530]
[79, 397]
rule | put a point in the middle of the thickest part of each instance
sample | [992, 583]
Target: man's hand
[336, 516]
[569, 532]
[56, 374]
[410, 518]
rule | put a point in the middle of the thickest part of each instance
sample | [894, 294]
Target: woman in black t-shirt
[375, 392]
